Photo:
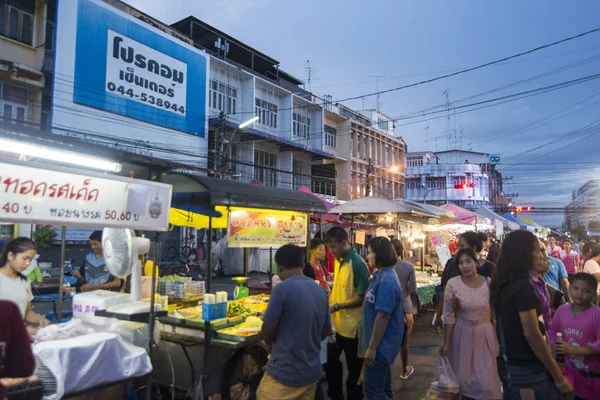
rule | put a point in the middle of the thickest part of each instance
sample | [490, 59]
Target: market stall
[35, 192]
[214, 347]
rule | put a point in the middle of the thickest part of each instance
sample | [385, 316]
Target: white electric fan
[121, 254]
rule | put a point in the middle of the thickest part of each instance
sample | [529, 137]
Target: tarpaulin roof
[521, 224]
[329, 205]
[375, 205]
[190, 189]
[463, 215]
[486, 212]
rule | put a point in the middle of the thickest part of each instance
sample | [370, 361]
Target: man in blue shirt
[557, 273]
[295, 322]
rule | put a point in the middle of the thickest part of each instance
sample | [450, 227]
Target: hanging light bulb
[389, 217]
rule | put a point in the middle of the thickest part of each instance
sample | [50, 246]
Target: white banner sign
[142, 74]
[59, 198]
[499, 228]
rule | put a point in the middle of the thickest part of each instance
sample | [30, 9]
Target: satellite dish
[121, 250]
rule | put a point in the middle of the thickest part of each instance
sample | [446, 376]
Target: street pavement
[424, 348]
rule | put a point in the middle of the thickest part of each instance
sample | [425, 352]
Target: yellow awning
[179, 217]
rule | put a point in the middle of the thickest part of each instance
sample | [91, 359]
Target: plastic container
[212, 312]
[86, 304]
[195, 288]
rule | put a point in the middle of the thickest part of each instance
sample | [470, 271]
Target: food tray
[236, 337]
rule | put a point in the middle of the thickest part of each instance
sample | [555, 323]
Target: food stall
[35, 192]
[202, 353]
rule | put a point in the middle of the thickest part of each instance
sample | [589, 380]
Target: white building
[278, 149]
[429, 179]
[582, 213]
[180, 92]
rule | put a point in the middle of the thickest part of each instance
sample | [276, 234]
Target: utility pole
[377, 78]
[368, 179]
[219, 162]
[309, 69]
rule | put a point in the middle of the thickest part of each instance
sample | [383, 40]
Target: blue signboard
[126, 68]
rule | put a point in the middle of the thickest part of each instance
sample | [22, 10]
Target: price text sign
[50, 197]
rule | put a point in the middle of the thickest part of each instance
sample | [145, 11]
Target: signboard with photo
[266, 228]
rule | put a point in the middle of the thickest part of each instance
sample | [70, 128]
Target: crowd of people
[519, 319]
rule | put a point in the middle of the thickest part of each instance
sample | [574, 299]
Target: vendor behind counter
[93, 274]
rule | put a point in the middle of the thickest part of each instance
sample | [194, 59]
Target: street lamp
[240, 126]
[245, 124]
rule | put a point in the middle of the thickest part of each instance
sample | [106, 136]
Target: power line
[463, 71]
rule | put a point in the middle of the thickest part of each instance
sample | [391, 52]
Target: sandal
[410, 370]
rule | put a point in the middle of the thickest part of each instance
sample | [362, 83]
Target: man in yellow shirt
[350, 282]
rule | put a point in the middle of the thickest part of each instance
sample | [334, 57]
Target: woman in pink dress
[470, 341]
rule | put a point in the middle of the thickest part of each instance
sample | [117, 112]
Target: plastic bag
[444, 379]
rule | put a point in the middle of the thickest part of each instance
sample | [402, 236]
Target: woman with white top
[14, 286]
[592, 265]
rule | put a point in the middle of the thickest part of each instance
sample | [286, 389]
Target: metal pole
[352, 230]
[208, 270]
[269, 273]
[321, 225]
[208, 265]
[151, 318]
[61, 282]
[245, 262]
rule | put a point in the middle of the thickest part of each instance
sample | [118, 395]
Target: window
[49, 36]
[222, 97]
[330, 136]
[297, 173]
[13, 103]
[387, 155]
[414, 161]
[301, 125]
[413, 184]
[16, 20]
[436, 183]
[358, 142]
[371, 148]
[265, 167]
[382, 124]
[266, 113]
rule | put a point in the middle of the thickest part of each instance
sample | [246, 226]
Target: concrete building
[427, 178]
[373, 156]
[22, 44]
[582, 214]
[22, 50]
[436, 174]
[288, 137]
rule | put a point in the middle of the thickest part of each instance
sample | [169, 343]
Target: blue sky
[349, 41]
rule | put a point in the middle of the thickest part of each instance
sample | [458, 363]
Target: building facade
[435, 175]
[280, 147]
[22, 50]
[431, 180]
[582, 214]
[371, 162]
